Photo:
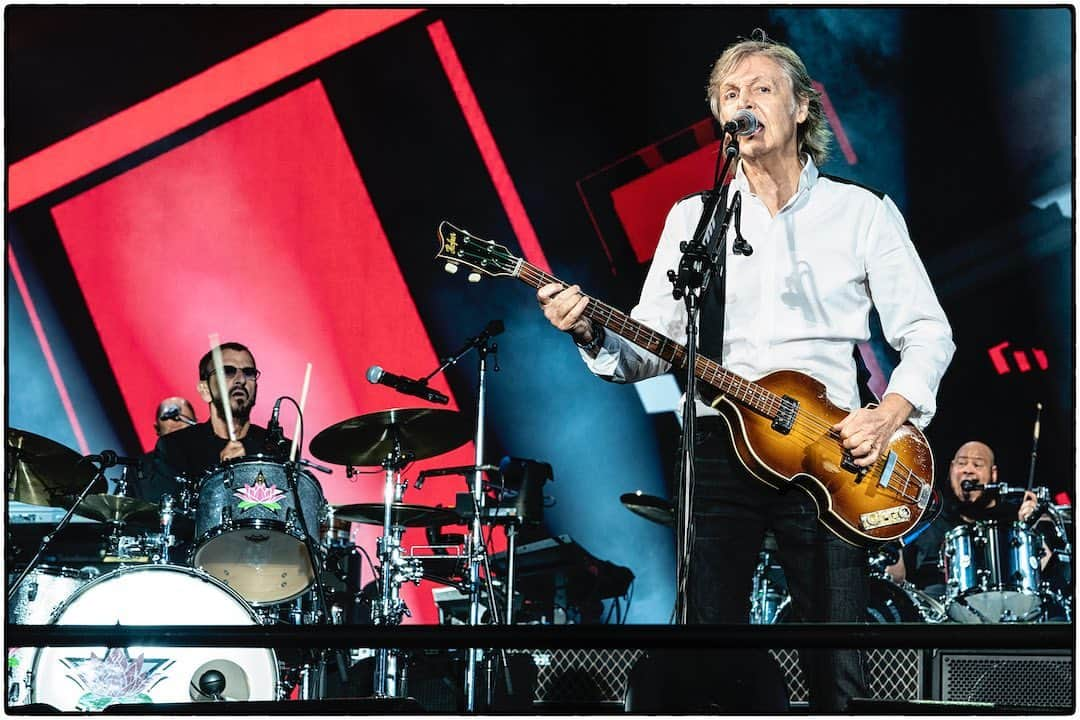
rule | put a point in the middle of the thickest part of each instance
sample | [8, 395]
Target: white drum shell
[90, 678]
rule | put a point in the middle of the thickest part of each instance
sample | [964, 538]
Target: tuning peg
[450, 267]
[474, 277]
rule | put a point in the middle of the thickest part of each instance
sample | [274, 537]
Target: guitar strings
[772, 403]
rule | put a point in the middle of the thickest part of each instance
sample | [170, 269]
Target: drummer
[191, 451]
[973, 464]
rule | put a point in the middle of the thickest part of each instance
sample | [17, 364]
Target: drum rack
[807, 635]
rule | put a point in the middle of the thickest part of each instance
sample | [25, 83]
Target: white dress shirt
[802, 300]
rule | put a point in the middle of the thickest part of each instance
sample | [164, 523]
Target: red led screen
[260, 230]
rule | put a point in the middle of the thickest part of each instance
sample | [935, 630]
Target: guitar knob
[451, 267]
[474, 277]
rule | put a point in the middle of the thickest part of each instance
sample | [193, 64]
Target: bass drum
[888, 604]
[80, 679]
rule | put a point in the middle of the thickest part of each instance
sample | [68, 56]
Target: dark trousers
[826, 577]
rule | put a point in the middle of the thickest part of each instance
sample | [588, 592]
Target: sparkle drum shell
[92, 678]
[46, 588]
[249, 532]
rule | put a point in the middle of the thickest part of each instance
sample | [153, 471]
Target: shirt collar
[807, 178]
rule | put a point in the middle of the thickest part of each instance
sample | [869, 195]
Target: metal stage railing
[1049, 636]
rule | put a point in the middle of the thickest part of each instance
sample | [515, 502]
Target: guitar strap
[711, 323]
[711, 312]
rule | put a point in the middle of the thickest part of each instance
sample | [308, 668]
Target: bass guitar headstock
[460, 247]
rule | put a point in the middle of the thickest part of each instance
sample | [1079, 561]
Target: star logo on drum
[259, 494]
[115, 678]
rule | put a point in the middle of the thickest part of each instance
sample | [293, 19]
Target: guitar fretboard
[748, 393]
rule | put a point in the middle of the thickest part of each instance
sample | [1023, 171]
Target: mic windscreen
[748, 121]
[494, 328]
[374, 374]
[169, 412]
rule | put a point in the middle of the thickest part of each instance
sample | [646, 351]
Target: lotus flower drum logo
[115, 678]
[259, 494]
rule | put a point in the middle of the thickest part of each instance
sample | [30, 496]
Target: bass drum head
[74, 679]
[888, 604]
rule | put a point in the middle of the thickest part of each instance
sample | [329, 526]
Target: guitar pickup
[882, 518]
[784, 419]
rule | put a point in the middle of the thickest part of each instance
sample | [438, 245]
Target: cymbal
[400, 514]
[40, 470]
[649, 507]
[368, 439]
[115, 509]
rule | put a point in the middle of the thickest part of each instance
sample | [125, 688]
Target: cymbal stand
[47, 540]
[394, 571]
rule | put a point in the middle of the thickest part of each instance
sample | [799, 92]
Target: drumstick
[219, 372]
[303, 399]
[1034, 447]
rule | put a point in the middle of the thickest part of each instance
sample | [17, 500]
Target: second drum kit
[253, 541]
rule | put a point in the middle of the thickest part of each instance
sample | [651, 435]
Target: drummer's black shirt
[190, 452]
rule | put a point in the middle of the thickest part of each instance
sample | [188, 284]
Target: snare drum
[991, 572]
[78, 679]
[250, 533]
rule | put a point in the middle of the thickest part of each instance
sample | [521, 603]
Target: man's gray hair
[813, 134]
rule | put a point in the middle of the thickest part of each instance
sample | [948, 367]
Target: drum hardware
[18, 441]
[390, 439]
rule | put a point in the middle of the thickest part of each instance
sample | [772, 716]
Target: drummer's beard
[240, 407]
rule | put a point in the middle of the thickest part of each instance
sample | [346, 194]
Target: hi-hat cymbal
[369, 439]
[400, 514]
[115, 509]
[39, 470]
[649, 507]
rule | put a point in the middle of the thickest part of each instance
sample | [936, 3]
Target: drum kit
[993, 572]
[998, 571]
[251, 542]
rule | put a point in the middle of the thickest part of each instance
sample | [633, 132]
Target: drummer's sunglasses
[230, 371]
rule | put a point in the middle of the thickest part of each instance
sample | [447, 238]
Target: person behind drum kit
[193, 450]
[827, 251]
[173, 413]
[189, 452]
[971, 468]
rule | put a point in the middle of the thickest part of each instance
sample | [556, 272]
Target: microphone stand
[47, 540]
[702, 258]
[478, 552]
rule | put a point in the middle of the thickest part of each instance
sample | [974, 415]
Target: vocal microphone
[172, 412]
[377, 376]
[968, 485]
[744, 123]
[108, 459]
